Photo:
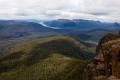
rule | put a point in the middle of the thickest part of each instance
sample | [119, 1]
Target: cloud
[99, 13]
[104, 10]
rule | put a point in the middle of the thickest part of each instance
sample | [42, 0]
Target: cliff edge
[106, 63]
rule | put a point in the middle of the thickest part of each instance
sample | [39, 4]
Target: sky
[103, 10]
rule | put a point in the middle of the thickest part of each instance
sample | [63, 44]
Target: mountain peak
[116, 24]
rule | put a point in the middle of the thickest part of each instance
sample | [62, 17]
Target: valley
[59, 39]
[54, 50]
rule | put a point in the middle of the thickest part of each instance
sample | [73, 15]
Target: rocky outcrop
[106, 63]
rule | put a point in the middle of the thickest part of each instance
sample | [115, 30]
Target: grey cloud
[105, 10]
[99, 13]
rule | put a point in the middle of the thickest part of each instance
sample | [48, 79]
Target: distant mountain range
[15, 29]
[80, 23]
[82, 29]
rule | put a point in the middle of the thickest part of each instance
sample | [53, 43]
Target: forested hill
[53, 58]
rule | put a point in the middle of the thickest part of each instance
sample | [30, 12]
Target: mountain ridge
[81, 23]
[16, 29]
[53, 58]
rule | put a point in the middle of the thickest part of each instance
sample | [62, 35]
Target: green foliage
[55, 67]
[54, 58]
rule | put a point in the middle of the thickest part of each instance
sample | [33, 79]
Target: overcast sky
[104, 10]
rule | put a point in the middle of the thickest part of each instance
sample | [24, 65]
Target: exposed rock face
[106, 63]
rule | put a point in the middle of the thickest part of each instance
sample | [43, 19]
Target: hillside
[16, 29]
[93, 35]
[53, 58]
